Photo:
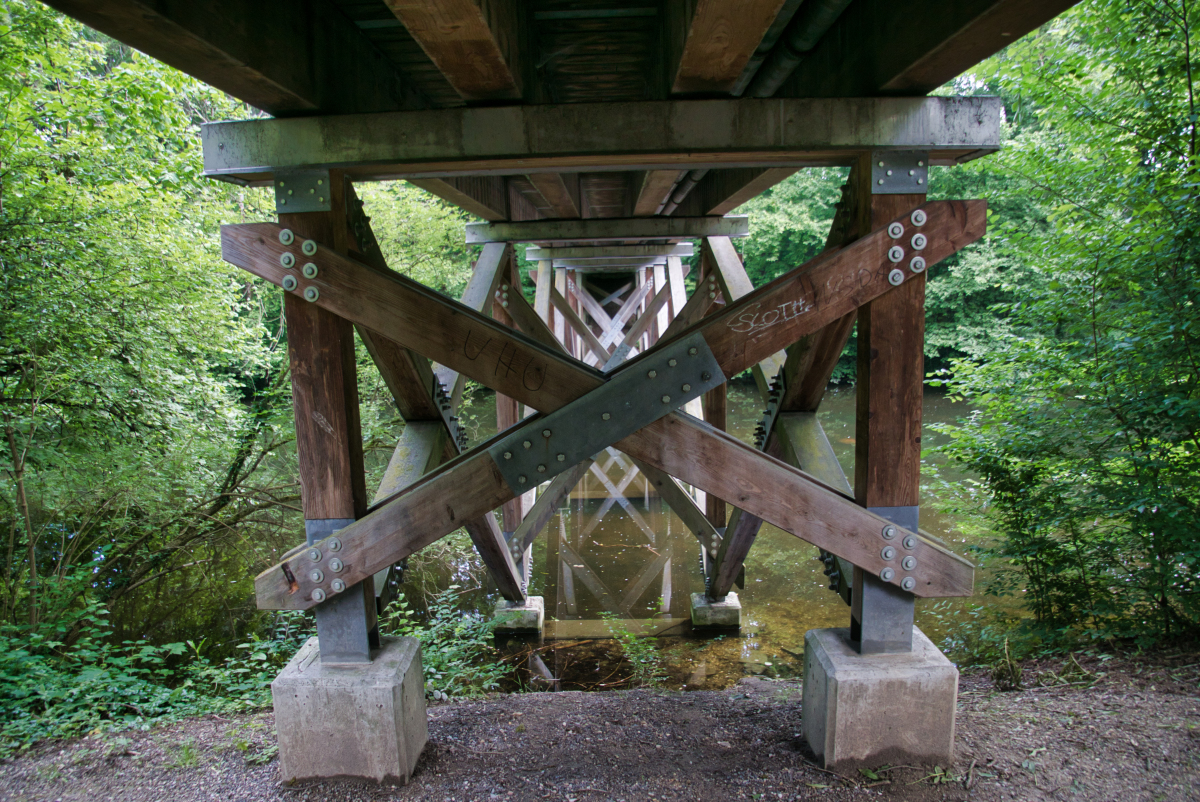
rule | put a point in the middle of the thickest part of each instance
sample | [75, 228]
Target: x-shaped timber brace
[582, 410]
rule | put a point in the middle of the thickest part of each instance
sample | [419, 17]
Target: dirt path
[1129, 731]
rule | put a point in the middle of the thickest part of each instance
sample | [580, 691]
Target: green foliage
[456, 647]
[641, 651]
[1089, 398]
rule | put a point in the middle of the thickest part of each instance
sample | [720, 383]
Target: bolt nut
[605, 416]
[562, 457]
[317, 575]
[286, 237]
[666, 399]
[919, 241]
[651, 374]
[910, 542]
[314, 555]
[541, 469]
[896, 230]
[521, 479]
[909, 583]
[917, 265]
[337, 586]
[889, 532]
[896, 277]
[919, 217]
[895, 253]
[528, 445]
[308, 248]
[289, 283]
[309, 270]
[887, 574]
[311, 294]
[287, 260]
[693, 351]
[508, 455]
[333, 544]
[671, 363]
[318, 595]
[687, 388]
[888, 553]
[908, 563]
[336, 565]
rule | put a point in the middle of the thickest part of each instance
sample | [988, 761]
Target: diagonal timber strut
[760, 324]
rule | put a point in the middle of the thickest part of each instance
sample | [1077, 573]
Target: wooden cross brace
[761, 323]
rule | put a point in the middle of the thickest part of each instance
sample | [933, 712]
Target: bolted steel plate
[899, 172]
[302, 191]
[634, 397]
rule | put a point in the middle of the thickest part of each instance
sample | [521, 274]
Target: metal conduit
[681, 191]
[810, 24]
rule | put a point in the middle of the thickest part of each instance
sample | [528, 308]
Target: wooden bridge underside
[611, 135]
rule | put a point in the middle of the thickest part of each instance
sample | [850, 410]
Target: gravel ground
[1127, 729]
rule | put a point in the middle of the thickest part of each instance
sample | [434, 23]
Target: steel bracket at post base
[881, 614]
[347, 627]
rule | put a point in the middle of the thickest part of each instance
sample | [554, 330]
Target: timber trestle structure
[612, 139]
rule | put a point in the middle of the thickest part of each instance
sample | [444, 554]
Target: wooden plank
[541, 298]
[650, 135]
[695, 309]
[588, 302]
[422, 447]
[317, 61]
[561, 191]
[683, 506]
[721, 38]
[662, 317]
[473, 44]
[656, 186]
[528, 320]
[678, 290]
[582, 329]
[596, 252]
[617, 327]
[484, 196]
[547, 505]
[609, 228]
[639, 326]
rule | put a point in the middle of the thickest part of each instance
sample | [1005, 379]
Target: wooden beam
[528, 320]
[421, 448]
[484, 196]
[561, 191]
[683, 506]
[582, 329]
[473, 44]
[588, 302]
[721, 38]
[546, 506]
[518, 140]
[655, 188]
[317, 62]
[615, 331]
[611, 228]
[696, 307]
[878, 47]
[600, 252]
[722, 191]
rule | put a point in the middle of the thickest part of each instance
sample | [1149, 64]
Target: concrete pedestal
[877, 708]
[707, 613]
[365, 721]
[512, 617]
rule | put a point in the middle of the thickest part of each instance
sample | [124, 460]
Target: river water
[615, 558]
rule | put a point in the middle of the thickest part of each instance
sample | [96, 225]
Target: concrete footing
[707, 613]
[363, 721]
[877, 708]
[527, 616]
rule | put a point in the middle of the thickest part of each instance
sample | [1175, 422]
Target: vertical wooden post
[887, 459]
[329, 434]
[715, 413]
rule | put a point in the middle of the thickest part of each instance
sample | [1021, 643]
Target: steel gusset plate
[658, 384]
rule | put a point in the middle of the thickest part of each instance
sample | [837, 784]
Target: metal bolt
[314, 555]
[908, 563]
[917, 265]
[291, 192]
[712, 295]
[320, 199]
[521, 479]
[919, 218]
[546, 433]
[541, 469]
[311, 294]
[887, 574]
[286, 236]
[318, 595]
[337, 586]
[912, 172]
[672, 363]
[895, 253]
[651, 374]
[333, 544]
[562, 457]
[705, 376]
[666, 399]
[919, 241]
[289, 283]
[320, 182]
[287, 260]
[309, 270]
[920, 180]
[527, 445]
[336, 565]
[889, 172]
[687, 388]
[881, 181]
[693, 351]
[889, 532]
[504, 304]
[881, 164]
[896, 230]
[504, 287]
[605, 416]
[909, 583]
[910, 542]
[896, 277]
[888, 553]
[309, 247]
[317, 575]
[920, 163]
[508, 455]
